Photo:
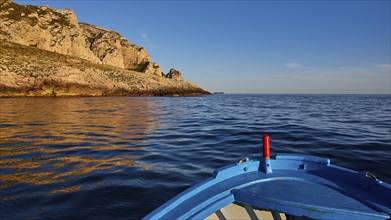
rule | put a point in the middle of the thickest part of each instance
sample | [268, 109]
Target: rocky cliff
[28, 71]
[42, 27]
[113, 49]
[59, 31]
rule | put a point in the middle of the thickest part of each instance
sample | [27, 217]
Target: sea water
[122, 157]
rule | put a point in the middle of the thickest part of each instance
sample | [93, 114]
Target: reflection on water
[47, 141]
[62, 169]
[121, 157]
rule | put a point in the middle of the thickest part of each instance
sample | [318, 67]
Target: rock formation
[154, 68]
[46, 52]
[28, 71]
[174, 74]
[113, 49]
[44, 28]
[58, 31]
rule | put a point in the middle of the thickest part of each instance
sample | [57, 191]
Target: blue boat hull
[296, 185]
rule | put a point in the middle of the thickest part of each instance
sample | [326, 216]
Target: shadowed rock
[154, 69]
[174, 74]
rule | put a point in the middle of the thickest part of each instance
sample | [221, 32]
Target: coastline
[32, 72]
[47, 52]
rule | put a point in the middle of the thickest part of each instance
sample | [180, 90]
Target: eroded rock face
[113, 49]
[58, 31]
[44, 28]
[28, 71]
[153, 68]
[46, 52]
[174, 74]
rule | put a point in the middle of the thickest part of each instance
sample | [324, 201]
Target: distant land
[47, 52]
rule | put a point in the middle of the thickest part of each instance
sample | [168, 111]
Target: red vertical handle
[266, 146]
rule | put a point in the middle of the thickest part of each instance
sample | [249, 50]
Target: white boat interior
[238, 211]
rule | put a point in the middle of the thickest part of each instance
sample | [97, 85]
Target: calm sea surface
[121, 157]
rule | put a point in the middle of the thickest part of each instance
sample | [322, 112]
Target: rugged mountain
[59, 31]
[42, 27]
[28, 71]
[113, 49]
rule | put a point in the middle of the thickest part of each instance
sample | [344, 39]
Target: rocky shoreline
[29, 72]
[46, 52]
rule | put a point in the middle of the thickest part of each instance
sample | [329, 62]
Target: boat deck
[241, 211]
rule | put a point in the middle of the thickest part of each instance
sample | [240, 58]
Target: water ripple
[122, 157]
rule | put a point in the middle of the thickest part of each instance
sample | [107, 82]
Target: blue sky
[256, 46]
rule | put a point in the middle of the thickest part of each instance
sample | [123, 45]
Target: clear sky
[256, 46]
